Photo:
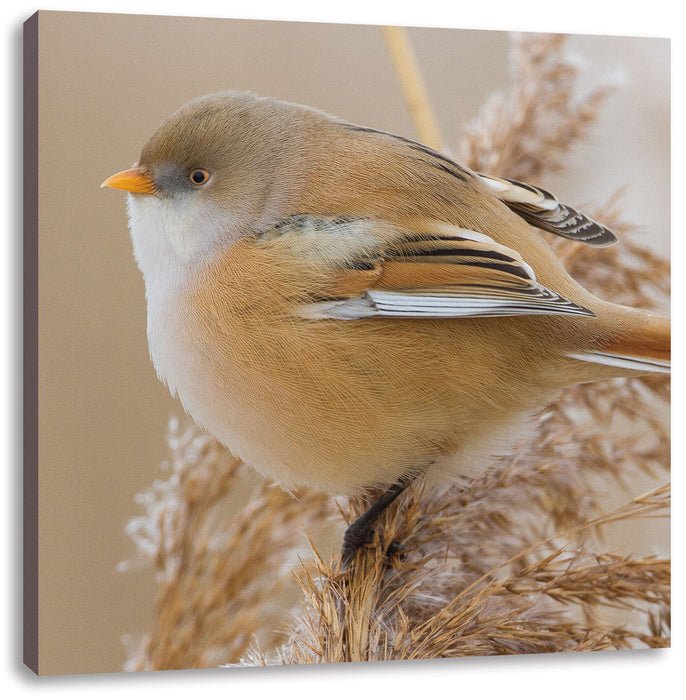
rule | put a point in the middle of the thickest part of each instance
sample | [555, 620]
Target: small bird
[344, 308]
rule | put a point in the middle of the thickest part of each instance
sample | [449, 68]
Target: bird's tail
[639, 343]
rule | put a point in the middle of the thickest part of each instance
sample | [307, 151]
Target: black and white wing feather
[542, 210]
[448, 272]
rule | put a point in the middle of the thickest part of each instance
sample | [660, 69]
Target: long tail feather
[624, 362]
[641, 344]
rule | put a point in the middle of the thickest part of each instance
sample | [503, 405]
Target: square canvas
[385, 296]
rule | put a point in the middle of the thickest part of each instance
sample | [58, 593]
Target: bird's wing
[538, 207]
[541, 209]
[441, 272]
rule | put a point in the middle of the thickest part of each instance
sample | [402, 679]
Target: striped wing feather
[452, 273]
[542, 209]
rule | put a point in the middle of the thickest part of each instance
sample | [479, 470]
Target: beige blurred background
[106, 81]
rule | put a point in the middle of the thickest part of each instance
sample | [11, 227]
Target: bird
[348, 309]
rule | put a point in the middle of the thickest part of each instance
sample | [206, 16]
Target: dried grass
[221, 541]
[530, 129]
[513, 562]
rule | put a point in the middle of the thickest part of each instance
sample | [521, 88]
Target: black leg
[360, 532]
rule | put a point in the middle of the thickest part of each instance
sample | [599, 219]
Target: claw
[395, 548]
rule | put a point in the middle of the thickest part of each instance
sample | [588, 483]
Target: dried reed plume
[530, 129]
[221, 577]
[512, 562]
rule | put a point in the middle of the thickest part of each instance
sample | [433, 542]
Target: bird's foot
[361, 533]
[353, 539]
[395, 548]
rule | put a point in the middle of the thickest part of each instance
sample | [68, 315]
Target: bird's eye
[199, 176]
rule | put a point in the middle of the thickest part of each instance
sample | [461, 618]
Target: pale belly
[298, 427]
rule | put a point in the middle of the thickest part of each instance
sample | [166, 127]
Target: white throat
[183, 227]
[171, 239]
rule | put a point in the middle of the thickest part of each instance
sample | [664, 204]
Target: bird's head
[206, 176]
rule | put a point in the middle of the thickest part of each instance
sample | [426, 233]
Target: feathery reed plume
[529, 129]
[511, 562]
[438, 602]
[218, 538]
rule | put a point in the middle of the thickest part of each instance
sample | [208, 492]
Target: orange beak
[136, 180]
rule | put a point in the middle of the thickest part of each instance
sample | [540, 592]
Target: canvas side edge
[30, 339]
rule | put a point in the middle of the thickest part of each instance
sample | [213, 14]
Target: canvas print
[344, 343]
